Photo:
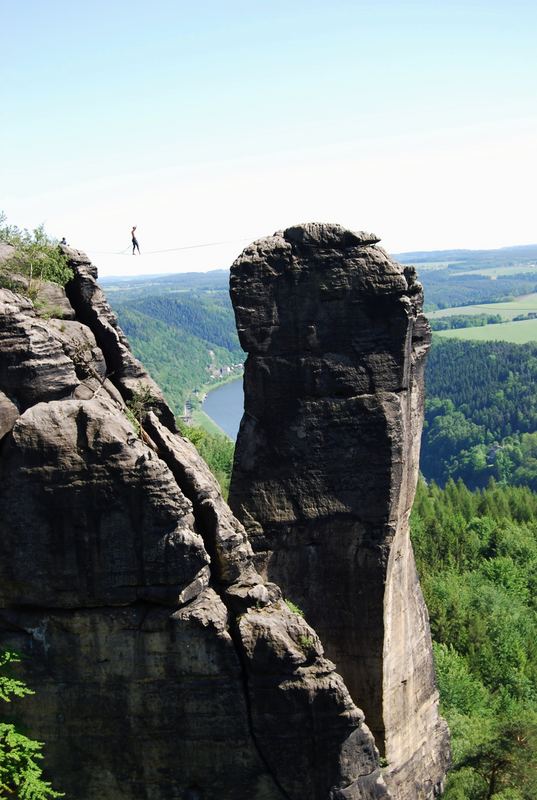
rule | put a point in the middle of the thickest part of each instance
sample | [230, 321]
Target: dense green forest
[205, 315]
[445, 288]
[477, 558]
[481, 413]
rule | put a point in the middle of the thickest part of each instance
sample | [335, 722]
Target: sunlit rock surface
[326, 466]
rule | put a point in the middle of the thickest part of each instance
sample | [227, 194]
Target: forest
[476, 554]
[481, 413]
[445, 288]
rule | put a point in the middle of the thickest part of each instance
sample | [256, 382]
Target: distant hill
[214, 279]
[502, 255]
[455, 277]
[464, 277]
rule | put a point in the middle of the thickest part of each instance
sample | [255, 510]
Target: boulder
[8, 414]
[33, 365]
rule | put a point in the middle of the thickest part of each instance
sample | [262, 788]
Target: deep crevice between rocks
[235, 637]
[107, 335]
[206, 523]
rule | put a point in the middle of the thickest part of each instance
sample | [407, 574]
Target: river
[225, 405]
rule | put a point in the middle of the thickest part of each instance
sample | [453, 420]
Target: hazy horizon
[124, 274]
[226, 122]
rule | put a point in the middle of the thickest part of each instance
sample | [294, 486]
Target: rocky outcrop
[7, 251]
[92, 309]
[326, 466]
[49, 297]
[165, 666]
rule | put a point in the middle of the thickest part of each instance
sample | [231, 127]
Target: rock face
[326, 465]
[165, 666]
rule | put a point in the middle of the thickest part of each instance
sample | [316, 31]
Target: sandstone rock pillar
[326, 467]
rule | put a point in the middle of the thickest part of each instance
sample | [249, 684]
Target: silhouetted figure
[63, 240]
[135, 245]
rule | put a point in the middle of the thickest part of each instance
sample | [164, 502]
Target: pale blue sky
[226, 120]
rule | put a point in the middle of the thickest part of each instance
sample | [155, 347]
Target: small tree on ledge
[20, 772]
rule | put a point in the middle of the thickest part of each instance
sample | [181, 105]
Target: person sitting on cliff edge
[135, 245]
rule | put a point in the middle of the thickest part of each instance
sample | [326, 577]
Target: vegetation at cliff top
[216, 449]
[477, 559]
[20, 772]
[36, 257]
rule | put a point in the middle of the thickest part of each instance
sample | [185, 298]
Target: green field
[202, 420]
[508, 310]
[515, 332]
[510, 269]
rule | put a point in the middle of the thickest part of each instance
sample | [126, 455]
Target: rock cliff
[164, 665]
[326, 465]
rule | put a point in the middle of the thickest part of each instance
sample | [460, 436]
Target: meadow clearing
[511, 308]
[515, 332]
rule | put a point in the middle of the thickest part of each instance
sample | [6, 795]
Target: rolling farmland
[519, 305]
[515, 332]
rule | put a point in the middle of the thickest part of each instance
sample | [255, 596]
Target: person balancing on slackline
[135, 245]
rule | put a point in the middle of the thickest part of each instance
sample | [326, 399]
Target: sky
[211, 124]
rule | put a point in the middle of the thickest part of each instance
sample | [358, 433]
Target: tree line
[454, 321]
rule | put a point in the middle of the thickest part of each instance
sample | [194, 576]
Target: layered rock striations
[164, 665]
[326, 465]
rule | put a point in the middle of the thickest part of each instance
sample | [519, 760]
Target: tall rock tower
[326, 468]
